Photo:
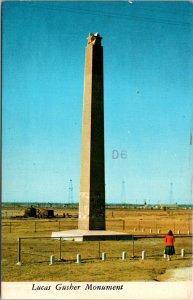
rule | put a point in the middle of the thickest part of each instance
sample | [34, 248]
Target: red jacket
[169, 240]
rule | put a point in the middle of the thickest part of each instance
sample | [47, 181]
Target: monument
[92, 179]
[91, 219]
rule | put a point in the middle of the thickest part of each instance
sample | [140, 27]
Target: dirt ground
[180, 274]
[149, 224]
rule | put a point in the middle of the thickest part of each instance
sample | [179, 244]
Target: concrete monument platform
[78, 235]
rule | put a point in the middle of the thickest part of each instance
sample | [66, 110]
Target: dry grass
[36, 252]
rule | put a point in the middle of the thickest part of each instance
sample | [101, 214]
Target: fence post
[19, 252]
[60, 257]
[104, 256]
[123, 224]
[99, 250]
[35, 227]
[182, 252]
[59, 225]
[133, 247]
[51, 260]
[143, 255]
[124, 255]
[10, 227]
[78, 259]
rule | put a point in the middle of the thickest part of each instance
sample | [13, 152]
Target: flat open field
[148, 226]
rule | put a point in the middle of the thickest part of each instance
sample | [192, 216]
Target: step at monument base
[78, 235]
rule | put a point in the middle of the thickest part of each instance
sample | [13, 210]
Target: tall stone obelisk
[92, 179]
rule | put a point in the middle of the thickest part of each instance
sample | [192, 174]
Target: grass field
[35, 253]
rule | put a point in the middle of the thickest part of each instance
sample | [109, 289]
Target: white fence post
[182, 252]
[78, 258]
[124, 255]
[52, 259]
[143, 255]
[104, 257]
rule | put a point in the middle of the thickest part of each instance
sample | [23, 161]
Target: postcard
[97, 157]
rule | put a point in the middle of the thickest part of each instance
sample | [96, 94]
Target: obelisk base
[78, 235]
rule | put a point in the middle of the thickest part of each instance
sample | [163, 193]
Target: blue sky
[148, 91]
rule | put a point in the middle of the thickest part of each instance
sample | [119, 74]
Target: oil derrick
[171, 199]
[123, 193]
[70, 193]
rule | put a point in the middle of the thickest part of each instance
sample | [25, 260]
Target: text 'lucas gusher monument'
[92, 178]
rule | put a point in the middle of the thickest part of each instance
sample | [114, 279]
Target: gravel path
[180, 274]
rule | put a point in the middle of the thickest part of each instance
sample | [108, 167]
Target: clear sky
[148, 87]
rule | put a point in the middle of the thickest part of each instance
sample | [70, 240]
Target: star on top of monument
[94, 38]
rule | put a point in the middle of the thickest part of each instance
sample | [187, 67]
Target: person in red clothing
[169, 243]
